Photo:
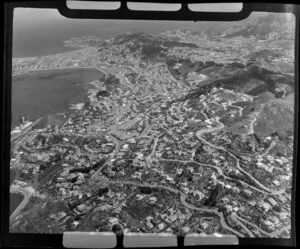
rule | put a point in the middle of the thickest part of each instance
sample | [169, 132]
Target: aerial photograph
[177, 127]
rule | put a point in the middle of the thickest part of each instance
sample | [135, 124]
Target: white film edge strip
[131, 240]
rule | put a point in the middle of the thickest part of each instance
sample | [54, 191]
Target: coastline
[26, 195]
[15, 194]
[54, 71]
[64, 50]
[57, 69]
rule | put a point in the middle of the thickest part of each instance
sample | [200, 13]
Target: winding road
[182, 198]
[234, 218]
[219, 170]
[275, 233]
[26, 195]
[218, 128]
[238, 107]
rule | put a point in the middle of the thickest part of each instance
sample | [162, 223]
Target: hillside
[145, 38]
[253, 79]
[150, 45]
[277, 117]
[271, 25]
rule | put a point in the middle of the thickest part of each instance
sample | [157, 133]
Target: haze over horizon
[42, 31]
[185, 132]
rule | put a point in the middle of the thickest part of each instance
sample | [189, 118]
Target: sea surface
[40, 93]
[38, 32]
[14, 201]
[12, 175]
[48, 38]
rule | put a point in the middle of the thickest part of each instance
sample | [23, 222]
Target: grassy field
[277, 116]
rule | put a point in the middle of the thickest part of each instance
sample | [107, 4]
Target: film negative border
[56, 240]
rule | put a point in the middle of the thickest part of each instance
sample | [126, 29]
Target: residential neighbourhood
[164, 143]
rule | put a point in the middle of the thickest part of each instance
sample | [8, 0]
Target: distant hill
[272, 25]
[254, 79]
[85, 41]
[134, 37]
[147, 38]
[149, 44]
[261, 25]
[277, 116]
[263, 81]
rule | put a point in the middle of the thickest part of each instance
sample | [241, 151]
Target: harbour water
[37, 39]
[14, 201]
[40, 93]
[47, 92]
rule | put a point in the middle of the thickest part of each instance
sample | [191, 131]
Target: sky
[35, 17]
[31, 14]
[39, 31]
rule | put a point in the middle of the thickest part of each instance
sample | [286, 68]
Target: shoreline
[16, 192]
[57, 69]
[26, 195]
[55, 54]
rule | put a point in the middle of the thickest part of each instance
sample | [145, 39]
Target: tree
[277, 208]
[102, 191]
[117, 229]
[145, 190]
[211, 201]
